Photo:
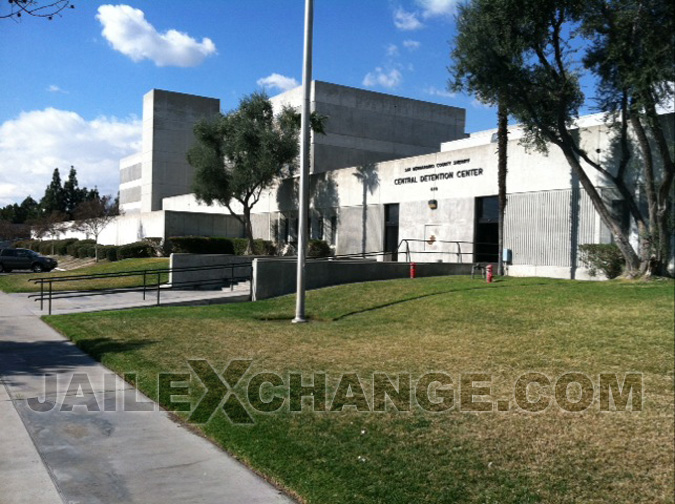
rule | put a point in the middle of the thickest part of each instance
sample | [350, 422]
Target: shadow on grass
[421, 296]
[100, 347]
[286, 316]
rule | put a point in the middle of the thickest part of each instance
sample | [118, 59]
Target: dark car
[11, 259]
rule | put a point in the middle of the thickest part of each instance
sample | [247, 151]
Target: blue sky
[72, 88]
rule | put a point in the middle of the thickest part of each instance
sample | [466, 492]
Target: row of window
[288, 229]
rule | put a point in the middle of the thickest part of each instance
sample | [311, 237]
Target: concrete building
[393, 177]
[161, 169]
[368, 127]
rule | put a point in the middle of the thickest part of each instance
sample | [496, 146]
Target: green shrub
[45, 247]
[319, 248]
[73, 248]
[82, 252]
[201, 245]
[137, 249]
[240, 245]
[260, 247]
[61, 246]
[109, 252]
[603, 257]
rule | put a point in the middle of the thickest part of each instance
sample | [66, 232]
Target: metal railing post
[50, 297]
[144, 277]
[42, 294]
[158, 281]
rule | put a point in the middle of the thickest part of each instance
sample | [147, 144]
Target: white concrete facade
[383, 161]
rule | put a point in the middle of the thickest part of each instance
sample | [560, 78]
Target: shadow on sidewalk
[44, 357]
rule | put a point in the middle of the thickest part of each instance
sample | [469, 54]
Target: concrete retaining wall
[275, 277]
[209, 278]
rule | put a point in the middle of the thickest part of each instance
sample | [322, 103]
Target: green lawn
[19, 282]
[450, 324]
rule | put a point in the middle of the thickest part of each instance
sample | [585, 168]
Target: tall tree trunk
[631, 258]
[502, 143]
[648, 236]
[248, 228]
[664, 202]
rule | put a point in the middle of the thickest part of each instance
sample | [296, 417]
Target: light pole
[304, 164]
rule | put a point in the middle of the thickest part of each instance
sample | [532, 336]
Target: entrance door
[391, 232]
[486, 235]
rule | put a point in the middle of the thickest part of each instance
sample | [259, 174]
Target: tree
[12, 231]
[477, 49]
[54, 199]
[35, 8]
[240, 154]
[632, 54]
[537, 80]
[73, 196]
[94, 215]
[51, 225]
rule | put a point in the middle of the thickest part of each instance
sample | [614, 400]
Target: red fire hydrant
[488, 273]
[413, 270]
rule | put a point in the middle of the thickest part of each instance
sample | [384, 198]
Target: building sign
[435, 177]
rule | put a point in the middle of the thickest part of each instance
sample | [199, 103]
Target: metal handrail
[458, 243]
[50, 295]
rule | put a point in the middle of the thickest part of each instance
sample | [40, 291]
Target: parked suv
[11, 259]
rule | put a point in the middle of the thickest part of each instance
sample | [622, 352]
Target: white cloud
[392, 50]
[53, 88]
[127, 31]
[383, 78]
[406, 21]
[411, 45]
[278, 81]
[436, 8]
[36, 142]
[434, 91]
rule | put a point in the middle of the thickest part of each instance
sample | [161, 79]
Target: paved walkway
[124, 300]
[79, 456]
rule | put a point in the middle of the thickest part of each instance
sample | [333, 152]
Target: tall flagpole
[304, 164]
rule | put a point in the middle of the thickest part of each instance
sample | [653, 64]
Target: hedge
[74, 248]
[605, 257]
[201, 245]
[111, 253]
[137, 249]
[319, 248]
[260, 247]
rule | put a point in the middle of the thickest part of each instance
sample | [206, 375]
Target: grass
[19, 282]
[450, 324]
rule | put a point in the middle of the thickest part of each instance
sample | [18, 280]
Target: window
[319, 227]
[333, 230]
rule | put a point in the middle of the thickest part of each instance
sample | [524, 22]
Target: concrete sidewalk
[52, 456]
[126, 300]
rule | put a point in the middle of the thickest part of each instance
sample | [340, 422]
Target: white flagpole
[304, 164]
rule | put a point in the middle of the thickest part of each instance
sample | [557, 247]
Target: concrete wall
[207, 278]
[276, 277]
[131, 181]
[168, 121]
[199, 224]
[369, 127]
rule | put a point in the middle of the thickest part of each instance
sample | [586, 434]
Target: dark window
[9, 253]
[319, 227]
[391, 230]
[487, 209]
[333, 229]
